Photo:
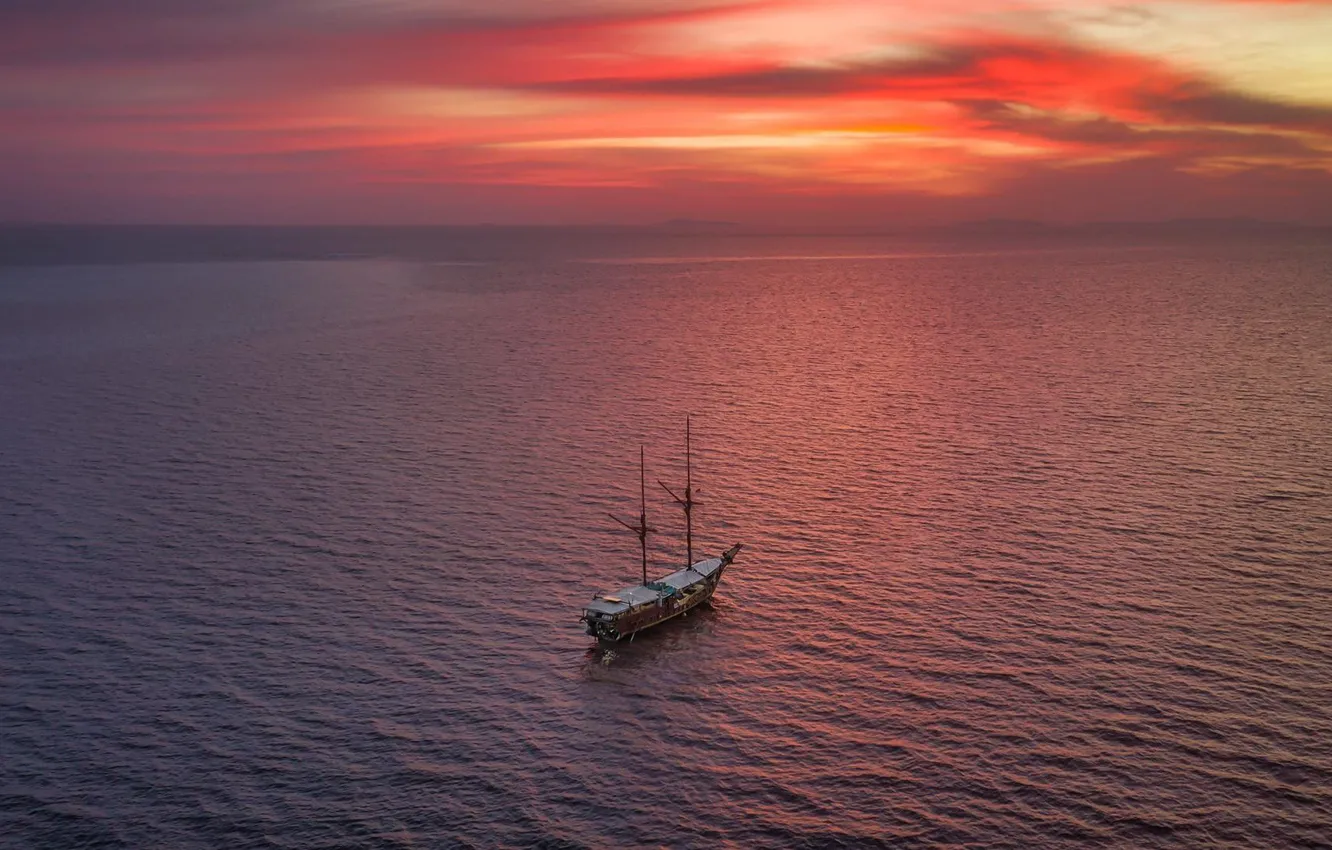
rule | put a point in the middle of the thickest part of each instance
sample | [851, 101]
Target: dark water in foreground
[1039, 551]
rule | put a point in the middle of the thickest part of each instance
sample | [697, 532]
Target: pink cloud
[184, 102]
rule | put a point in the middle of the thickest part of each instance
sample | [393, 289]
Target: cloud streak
[673, 97]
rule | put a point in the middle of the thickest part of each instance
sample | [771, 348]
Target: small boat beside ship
[624, 613]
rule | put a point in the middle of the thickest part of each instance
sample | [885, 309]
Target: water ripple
[1038, 551]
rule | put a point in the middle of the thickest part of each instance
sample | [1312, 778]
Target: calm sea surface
[1038, 549]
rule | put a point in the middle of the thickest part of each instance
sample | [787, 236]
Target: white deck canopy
[622, 600]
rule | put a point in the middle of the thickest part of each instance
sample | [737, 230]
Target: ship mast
[641, 529]
[687, 502]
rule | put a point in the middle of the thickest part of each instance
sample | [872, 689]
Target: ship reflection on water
[673, 642]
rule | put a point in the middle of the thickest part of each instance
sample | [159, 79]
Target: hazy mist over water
[1038, 547]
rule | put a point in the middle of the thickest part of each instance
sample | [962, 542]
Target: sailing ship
[624, 613]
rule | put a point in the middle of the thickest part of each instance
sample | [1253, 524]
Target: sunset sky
[768, 111]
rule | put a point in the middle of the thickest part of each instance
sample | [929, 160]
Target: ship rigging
[624, 613]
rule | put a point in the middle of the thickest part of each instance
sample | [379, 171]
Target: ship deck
[632, 597]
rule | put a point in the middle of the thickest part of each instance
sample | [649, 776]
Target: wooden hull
[632, 622]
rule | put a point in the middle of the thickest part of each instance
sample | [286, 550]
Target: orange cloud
[184, 99]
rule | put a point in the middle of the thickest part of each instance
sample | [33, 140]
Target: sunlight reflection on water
[1037, 551]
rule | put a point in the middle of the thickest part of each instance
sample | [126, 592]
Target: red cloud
[1048, 75]
[204, 97]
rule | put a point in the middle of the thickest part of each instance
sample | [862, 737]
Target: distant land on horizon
[90, 244]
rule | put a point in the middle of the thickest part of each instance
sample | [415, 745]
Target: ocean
[1038, 546]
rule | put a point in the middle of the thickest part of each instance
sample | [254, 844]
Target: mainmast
[687, 502]
[641, 529]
